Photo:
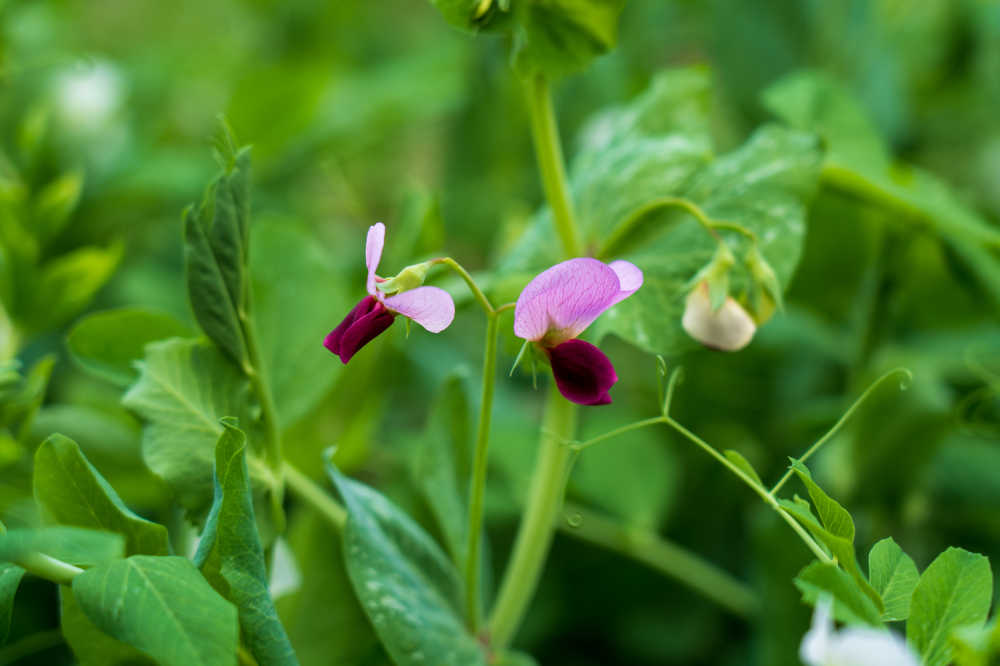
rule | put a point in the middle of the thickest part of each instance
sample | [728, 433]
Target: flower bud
[410, 277]
[765, 291]
[728, 327]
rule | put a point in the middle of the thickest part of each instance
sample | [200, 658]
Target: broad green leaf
[67, 284]
[108, 343]
[10, 579]
[162, 606]
[184, 388]
[215, 253]
[763, 186]
[893, 575]
[405, 583]
[230, 548]
[850, 604]
[740, 461]
[90, 645]
[297, 297]
[72, 492]
[323, 618]
[954, 591]
[559, 37]
[74, 545]
[441, 462]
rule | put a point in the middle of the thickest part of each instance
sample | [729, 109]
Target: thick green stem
[477, 487]
[538, 522]
[315, 496]
[49, 568]
[663, 556]
[31, 645]
[550, 163]
[272, 442]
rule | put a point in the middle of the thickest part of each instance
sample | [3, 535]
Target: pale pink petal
[563, 300]
[430, 307]
[373, 253]
[629, 278]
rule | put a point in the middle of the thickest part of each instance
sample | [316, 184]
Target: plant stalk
[477, 487]
[538, 522]
[550, 164]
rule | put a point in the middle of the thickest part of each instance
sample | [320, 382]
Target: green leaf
[955, 590]
[325, 600]
[67, 284]
[10, 579]
[184, 388]
[230, 548]
[740, 461]
[90, 645]
[73, 545]
[215, 253]
[162, 606]
[837, 530]
[560, 37]
[72, 492]
[297, 295]
[835, 518]
[850, 604]
[407, 586]
[893, 575]
[109, 343]
[55, 203]
[441, 462]
[976, 645]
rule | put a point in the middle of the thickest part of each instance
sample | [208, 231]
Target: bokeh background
[367, 111]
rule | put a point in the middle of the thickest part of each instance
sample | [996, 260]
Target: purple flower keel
[583, 373]
[361, 325]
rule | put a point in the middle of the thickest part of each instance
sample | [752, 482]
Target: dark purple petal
[583, 373]
[360, 326]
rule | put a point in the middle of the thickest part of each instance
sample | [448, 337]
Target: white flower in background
[852, 646]
[87, 96]
[729, 328]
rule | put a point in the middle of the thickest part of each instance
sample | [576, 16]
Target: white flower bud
[853, 646]
[729, 328]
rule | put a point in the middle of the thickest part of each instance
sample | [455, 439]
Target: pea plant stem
[627, 226]
[660, 554]
[49, 568]
[315, 496]
[548, 151]
[764, 494]
[538, 522]
[255, 372]
[477, 487]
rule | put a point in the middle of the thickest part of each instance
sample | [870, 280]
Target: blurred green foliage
[359, 112]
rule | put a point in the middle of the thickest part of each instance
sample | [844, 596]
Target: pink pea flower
[558, 305]
[430, 307]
